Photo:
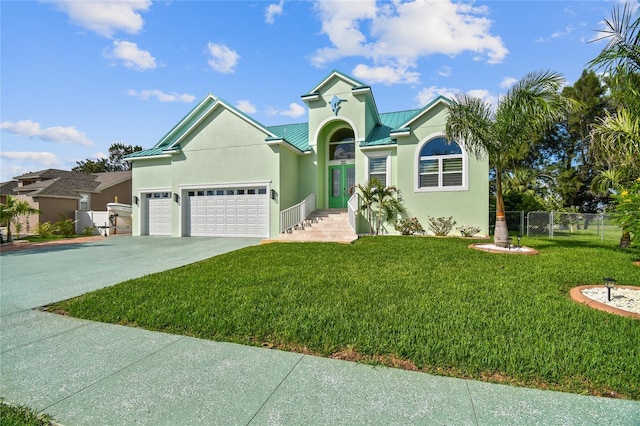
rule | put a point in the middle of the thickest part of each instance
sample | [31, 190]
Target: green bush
[65, 227]
[88, 231]
[44, 230]
[441, 226]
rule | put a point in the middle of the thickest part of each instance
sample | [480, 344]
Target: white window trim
[416, 168]
[377, 154]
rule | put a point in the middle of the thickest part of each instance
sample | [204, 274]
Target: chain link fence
[515, 222]
[565, 224]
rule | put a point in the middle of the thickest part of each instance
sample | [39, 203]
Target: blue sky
[77, 76]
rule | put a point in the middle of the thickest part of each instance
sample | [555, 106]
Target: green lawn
[431, 304]
[21, 416]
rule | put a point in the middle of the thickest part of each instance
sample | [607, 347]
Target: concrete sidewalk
[87, 373]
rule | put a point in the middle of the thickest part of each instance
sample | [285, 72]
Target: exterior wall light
[136, 200]
[176, 198]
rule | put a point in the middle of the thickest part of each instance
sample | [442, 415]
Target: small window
[378, 169]
[240, 192]
[200, 193]
[191, 193]
[251, 191]
[231, 191]
[342, 145]
[211, 193]
[262, 191]
[441, 165]
[84, 202]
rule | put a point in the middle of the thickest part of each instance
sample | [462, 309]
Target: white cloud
[385, 74]
[246, 106]
[106, 17]
[161, 96]
[445, 71]
[272, 11]
[30, 129]
[16, 163]
[485, 95]
[428, 94]
[394, 35]
[507, 82]
[222, 58]
[131, 56]
[295, 110]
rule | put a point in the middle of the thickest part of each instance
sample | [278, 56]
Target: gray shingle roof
[62, 183]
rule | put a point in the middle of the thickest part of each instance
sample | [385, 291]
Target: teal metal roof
[295, 134]
[380, 135]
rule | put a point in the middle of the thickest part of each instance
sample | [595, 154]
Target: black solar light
[609, 283]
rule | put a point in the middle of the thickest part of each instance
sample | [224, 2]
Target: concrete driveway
[88, 373]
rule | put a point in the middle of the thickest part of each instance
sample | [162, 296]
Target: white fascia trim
[282, 142]
[186, 118]
[377, 147]
[220, 185]
[401, 134]
[310, 98]
[151, 157]
[361, 90]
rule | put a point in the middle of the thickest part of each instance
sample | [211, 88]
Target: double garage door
[229, 212]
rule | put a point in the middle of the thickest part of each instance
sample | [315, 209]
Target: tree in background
[529, 108]
[616, 136]
[114, 163]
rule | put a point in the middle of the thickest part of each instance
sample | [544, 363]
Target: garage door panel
[229, 212]
[158, 214]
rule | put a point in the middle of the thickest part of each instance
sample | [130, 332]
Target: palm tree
[532, 105]
[379, 203]
[623, 49]
[12, 209]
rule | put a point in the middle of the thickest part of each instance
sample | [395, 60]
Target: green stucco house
[219, 172]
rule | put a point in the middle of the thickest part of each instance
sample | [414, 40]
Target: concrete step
[323, 225]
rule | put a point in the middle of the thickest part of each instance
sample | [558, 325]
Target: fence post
[551, 221]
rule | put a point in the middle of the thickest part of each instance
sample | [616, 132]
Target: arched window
[441, 165]
[342, 145]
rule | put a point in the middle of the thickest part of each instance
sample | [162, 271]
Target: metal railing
[296, 215]
[353, 206]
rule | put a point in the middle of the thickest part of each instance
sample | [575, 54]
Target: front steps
[331, 225]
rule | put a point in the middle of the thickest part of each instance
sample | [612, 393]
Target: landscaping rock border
[576, 295]
[522, 250]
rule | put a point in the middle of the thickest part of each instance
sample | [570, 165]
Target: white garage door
[229, 212]
[159, 213]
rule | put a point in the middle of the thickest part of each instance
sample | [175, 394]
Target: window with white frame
[378, 167]
[84, 202]
[441, 165]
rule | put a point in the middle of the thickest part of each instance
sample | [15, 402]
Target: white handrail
[353, 205]
[295, 215]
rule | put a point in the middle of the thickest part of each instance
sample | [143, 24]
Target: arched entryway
[341, 151]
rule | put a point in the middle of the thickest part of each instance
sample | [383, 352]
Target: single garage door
[159, 213]
[229, 212]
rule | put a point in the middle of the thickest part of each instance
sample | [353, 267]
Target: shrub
[409, 226]
[65, 227]
[468, 230]
[88, 231]
[44, 230]
[441, 226]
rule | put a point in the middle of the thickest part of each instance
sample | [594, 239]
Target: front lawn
[430, 304]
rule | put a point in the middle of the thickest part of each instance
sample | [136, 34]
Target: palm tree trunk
[501, 232]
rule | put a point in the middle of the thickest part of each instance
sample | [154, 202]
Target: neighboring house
[219, 172]
[59, 192]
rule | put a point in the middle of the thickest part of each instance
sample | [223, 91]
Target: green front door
[341, 180]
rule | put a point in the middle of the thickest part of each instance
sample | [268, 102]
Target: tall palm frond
[623, 33]
[616, 140]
